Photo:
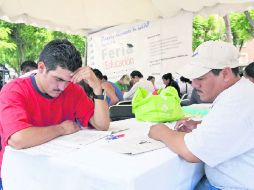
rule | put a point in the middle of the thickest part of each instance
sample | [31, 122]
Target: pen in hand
[187, 126]
[78, 123]
[179, 126]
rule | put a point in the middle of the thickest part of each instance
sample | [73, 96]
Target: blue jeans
[204, 184]
[1, 187]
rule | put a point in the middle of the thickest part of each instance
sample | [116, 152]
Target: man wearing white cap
[223, 140]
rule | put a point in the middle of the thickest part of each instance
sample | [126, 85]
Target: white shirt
[185, 88]
[148, 85]
[224, 140]
[29, 73]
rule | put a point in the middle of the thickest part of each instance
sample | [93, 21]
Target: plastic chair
[184, 96]
[124, 102]
[120, 112]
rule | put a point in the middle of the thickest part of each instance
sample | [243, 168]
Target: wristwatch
[100, 97]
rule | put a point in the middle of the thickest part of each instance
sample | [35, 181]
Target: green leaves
[213, 28]
[4, 39]
[20, 42]
[241, 28]
[204, 29]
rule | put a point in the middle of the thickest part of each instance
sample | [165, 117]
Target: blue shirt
[117, 91]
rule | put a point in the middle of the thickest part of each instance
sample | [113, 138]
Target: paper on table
[84, 137]
[134, 145]
[171, 125]
[116, 129]
[52, 148]
[68, 143]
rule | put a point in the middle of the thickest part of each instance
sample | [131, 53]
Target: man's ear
[41, 67]
[227, 74]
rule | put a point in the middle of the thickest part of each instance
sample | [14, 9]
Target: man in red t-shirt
[39, 108]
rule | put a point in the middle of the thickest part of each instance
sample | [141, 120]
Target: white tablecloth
[97, 168]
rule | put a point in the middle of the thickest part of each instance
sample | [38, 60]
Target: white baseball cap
[210, 55]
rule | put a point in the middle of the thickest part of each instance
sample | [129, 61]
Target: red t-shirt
[22, 106]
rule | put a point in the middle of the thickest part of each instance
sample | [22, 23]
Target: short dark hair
[186, 80]
[235, 70]
[167, 76]
[105, 77]
[150, 78]
[249, 70]
[136, 73]
[61, 52]
[28, 63]
[98, 74]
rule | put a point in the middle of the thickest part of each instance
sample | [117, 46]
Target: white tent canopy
[83, 16]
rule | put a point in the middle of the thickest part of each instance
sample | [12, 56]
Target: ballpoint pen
[181, 125]
[79, 124]
[113, 137]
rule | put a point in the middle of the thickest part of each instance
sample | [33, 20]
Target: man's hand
[173, 140]
[158, 131]
[186, 125]
[86, 74]
[69, 127]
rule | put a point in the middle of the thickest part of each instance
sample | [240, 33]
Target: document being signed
[135, 145]
[66, 144]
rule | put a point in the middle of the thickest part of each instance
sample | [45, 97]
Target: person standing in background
[113, 93]
[185, 87]
[138, 81]
[152, 79]
[169, 81]
[123, 83]
[249, 72]
[27, 66]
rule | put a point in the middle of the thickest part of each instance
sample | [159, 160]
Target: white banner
[152, 47]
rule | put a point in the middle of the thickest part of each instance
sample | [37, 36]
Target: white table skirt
[95, 168]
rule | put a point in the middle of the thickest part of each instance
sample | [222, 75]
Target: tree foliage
[204, 29]
[4, 36]
[242, 30]
[213, 28]
[20, 42]
[6, 46]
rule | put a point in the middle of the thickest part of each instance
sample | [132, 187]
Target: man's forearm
[100, 119]
[33, 136]
[175, 141]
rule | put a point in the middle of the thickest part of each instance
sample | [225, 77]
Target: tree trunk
[20, 45]
[251, 22]
[229, 36]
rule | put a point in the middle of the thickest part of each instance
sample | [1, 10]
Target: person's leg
[1, 187]
[204, 184]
